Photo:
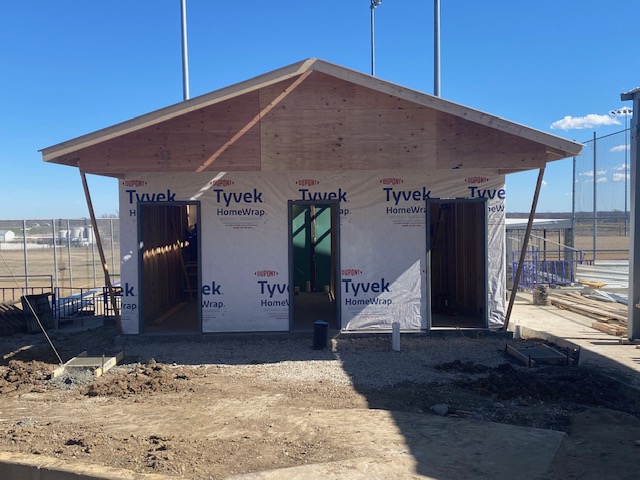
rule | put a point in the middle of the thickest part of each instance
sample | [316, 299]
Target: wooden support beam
[105, 267]
[523, 252]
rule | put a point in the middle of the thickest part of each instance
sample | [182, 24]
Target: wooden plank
[586, 309]
[609, 329]
[108, 365]
[609, 306]
[62, 368]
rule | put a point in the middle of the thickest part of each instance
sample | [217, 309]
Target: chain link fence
[601, 199]
[41, 254]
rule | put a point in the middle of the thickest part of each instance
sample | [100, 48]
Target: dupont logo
[221, 183]
[391, 181]
[351, 272]
[307, 182]
[134, 183]
[266, 273]
[476, 180]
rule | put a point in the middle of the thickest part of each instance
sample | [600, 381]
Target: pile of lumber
[611, 318]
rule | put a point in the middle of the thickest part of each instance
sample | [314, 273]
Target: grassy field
[78, 267]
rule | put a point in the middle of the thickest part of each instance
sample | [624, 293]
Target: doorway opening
[457, 258]
[169, 259]
[313, 264]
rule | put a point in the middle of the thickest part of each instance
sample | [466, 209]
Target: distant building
[7, 236]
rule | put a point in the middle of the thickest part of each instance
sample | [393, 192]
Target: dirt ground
[159, 412]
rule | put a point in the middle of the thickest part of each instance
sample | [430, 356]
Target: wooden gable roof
[311, 115]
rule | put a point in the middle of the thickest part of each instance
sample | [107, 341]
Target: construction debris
[611, 317]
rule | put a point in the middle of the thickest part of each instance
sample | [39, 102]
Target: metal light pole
[185, 58]
[436, 48]
[626, 112]
[374, 4]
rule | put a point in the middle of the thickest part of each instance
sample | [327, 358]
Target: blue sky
[71, 67]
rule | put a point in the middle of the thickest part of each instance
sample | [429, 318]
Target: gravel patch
[360, 362]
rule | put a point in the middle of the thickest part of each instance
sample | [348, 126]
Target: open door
[169, 268]
[313, 260]
[458, 266]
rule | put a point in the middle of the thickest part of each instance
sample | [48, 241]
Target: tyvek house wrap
[244, 242]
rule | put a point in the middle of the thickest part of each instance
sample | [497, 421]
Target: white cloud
[591, 120]
[619, 148]
[620, 167]
[544, 183]
[602, 180]
[620, 177]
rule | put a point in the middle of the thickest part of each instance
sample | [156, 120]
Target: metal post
[55, 250]
[595, 210]
[633, 319]
[571, 241]
[69, 254]
[436, 48]
[93, 260]
[626, 177]
[113, 258]
[24, 255]
[633, 323]
[185, 57]
[374, 4]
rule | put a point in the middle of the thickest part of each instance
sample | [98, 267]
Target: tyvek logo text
[151, 197]
[210, 290]
[228, 199]
[353, 289]
[268, 289]
[396, 196]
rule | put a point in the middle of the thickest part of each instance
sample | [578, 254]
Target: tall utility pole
[374, 4]
[185, 57]
[626, 112]
[436, 48]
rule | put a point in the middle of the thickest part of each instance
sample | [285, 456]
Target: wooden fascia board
[167, 113]
[554, 154]
[566, 147]
[630, 95]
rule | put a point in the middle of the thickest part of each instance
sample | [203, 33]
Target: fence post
[24, 255]
[55, 250]
[595, 209]
[69, 254]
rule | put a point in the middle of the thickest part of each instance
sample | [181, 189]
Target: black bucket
[320, 334]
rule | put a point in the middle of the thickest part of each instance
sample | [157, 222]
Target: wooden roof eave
[565, 148]
[63, 149]
[67, 152]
